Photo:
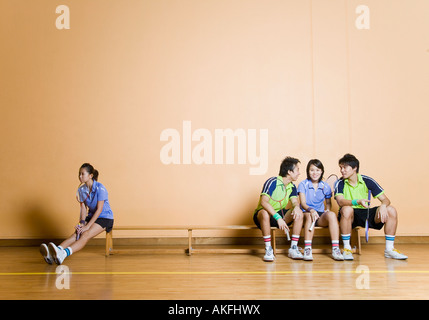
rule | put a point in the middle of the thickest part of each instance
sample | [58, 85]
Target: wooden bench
[189, 249]
[356, 241]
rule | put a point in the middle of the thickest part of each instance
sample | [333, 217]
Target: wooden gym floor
[91, 275]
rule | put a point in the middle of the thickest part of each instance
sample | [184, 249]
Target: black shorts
[103, 222]
[320, 214]
[273, 222]
[360, 218]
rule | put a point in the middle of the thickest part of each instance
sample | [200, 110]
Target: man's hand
[283, 225]
[382, 213]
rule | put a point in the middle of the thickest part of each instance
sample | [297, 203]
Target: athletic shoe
[57, 254]
[45, 253]
[336, 254]
[269, 254]
[347, 254]
[295, 254]
[308, 256]
[394, 254]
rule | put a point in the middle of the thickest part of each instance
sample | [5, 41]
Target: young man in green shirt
[270, 212]
[351, 193]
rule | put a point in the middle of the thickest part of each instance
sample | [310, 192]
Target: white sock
[68, 251]
[390, 240]
[267, 240]
[307, 243]
[346, 241]
[294, 242]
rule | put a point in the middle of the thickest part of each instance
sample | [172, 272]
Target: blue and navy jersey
[98, 193]
[315, 198]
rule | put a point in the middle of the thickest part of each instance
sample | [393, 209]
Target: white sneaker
[269, 254]
[308, 254]
[394, 254]
[45, 253]
[57, 254]
[347, 254]
[295, 254]
[336, 254]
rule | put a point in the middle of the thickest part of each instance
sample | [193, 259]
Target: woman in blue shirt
[96, 216]
[312, 194]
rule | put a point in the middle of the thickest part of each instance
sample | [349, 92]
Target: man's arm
[296, 210]
[382, 211]
[344, 202]
[269, 208]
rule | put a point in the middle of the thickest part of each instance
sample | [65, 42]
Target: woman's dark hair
[351, 160]
[318, 164]
[288, 164]
[91, 170]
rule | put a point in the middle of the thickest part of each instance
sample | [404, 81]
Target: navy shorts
[320, 214]
[360, 218]
[103, 222]
[273, 222]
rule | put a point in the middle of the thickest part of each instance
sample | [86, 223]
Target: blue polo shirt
[98, 193]
[315, 198]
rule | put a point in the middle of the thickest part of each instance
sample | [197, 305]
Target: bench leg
[189, 242]
[273, 240]
[356, 240]
[109, 242]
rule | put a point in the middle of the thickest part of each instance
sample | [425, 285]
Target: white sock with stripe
[390, 240]
[267, 240]
[294, 240]
[68, 251]
[346, 241]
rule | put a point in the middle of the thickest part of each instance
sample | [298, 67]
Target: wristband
[277, 216]
[81, 221]
[354, 202]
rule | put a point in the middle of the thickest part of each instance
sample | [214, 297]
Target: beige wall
[104, 90]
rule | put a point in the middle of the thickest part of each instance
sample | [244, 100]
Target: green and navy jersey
[278, 193]
[360, 191]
